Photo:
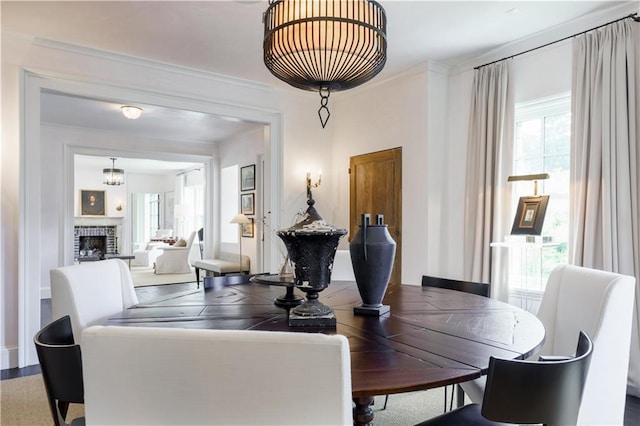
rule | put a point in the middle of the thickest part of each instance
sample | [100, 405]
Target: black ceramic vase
[372, 253]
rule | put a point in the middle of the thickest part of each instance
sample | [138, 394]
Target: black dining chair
[480, 289]
[61, 365]
[547, 391]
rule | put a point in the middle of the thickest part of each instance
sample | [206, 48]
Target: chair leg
[460, 396]
[445, 399]
[198, 276]
[386, 398]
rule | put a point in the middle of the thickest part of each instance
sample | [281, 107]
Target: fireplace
[93, 242]
[93, 247]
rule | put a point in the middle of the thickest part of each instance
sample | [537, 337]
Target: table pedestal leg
[363, 412]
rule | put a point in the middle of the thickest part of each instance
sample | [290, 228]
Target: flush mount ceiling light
[113, 176]
[325, 45]
[131, 112]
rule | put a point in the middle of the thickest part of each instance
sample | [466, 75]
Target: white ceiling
[225, 37]
[133, 165]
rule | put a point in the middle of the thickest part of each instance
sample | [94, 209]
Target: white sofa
[148, 253]
[178, 376]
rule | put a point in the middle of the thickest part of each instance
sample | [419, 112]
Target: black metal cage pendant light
[325, 45]
[113, 176]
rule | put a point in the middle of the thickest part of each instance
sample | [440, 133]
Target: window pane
[528, 139]
[556, 164]
[557, 131]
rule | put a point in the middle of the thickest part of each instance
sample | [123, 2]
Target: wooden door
[376, 188]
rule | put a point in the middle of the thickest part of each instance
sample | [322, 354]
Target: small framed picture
[530, 215]
[248, 203]
[247, 229]
[92, 202]
[248, 178]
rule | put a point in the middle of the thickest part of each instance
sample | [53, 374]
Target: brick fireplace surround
[94, 231]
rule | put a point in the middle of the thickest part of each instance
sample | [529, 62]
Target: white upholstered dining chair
[601, 304]
[91, 292]
[149, 375]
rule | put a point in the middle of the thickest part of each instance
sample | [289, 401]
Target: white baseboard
[9, 357]
[45, 292]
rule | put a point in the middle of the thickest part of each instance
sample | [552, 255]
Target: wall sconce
[535, 178]
[312, 185]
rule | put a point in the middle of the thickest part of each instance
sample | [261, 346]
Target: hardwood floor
[151, 293]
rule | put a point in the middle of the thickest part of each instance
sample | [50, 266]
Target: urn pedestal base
[312, 313]
[325, 321]
[372, 311]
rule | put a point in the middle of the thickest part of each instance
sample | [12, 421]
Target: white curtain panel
[605, 181]
[489, 162]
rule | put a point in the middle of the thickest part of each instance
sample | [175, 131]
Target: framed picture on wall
[247, 202]
[92, 202]
[248, 178]
[530, 215]
[247, 229]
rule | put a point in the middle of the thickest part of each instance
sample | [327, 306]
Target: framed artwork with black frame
[248, 178]
[530, 215]
[247, 229]
[92, 202]
[247, 202]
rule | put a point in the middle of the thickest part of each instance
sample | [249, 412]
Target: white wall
[388, 115]
[242, 150]
[91, 179]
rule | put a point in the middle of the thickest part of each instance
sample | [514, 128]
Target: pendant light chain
[323, 112]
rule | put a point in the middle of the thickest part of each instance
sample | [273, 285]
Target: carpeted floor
[24, 402]
[144, 276]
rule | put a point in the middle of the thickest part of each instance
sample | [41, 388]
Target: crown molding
[150, 64]
[566, 29]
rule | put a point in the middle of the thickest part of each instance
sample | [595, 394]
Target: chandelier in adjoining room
[325, 45]
[113, 176]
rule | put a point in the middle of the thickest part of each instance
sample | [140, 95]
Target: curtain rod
[633, 16]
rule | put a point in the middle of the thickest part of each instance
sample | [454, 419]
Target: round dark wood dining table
[431, 338]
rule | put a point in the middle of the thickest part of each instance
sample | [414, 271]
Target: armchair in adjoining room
[175, 259]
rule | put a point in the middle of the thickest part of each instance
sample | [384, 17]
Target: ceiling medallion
[325, 45]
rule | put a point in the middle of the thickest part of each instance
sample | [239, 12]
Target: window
[542, 145]
[152, 202]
